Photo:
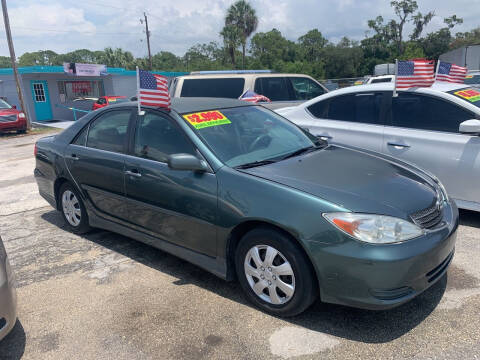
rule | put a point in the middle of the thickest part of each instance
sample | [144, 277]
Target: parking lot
[106, 296]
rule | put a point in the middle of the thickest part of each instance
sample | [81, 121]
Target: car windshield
[470, 94]
[4, 105]
[472, 79]
[248, 135]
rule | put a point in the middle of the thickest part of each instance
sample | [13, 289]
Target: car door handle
[74, 157]
[133, 173]
[398, 146]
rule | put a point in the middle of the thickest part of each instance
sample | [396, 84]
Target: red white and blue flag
[253, 97]
[415, 73]
[450, 72]
[152, 89]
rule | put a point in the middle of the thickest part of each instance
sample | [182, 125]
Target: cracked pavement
[105, 296]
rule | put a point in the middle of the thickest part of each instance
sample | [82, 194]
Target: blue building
[49, 92]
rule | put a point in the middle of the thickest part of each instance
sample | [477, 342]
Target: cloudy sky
[176, 25]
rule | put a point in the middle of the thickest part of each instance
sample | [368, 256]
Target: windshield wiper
[255, 163]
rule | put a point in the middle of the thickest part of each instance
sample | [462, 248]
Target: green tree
[117, 58]
[311, 45]
[243, 17]
[5, 62]
[270, 47]
[231, 41]
[166, 61]
[41, 57]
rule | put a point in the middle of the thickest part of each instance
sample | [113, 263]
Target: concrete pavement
[105, 296]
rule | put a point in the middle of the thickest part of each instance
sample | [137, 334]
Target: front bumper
[8, 299]
[380, 277]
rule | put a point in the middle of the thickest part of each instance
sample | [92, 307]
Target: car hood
[353, 180]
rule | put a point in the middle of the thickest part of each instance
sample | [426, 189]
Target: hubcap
[71, 208]
[269, 274]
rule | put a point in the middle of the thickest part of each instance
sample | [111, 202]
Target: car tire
[73, 210]
[269, 279]
[21, 131]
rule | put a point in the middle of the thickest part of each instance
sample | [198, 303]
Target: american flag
[253, 97]
[451, 73]
[415, 73]
[153, 90]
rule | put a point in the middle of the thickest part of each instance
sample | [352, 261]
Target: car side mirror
[186, 162]
[470, 127]
[14, 106]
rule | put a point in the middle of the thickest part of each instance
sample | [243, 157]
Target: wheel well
[240, 230]
[56, 188]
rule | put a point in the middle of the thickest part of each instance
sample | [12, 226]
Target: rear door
[353, 119]
[177, 206]
[423, 130]
[96, 160]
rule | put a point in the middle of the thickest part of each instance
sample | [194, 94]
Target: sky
[66, 25]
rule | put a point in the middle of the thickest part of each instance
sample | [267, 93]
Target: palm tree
[231, 40]
[243, 17]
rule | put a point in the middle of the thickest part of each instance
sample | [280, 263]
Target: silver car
[436, 128]
[8, 299]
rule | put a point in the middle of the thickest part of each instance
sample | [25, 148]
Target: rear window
[275, 88]
[224, 88]
[470, 94]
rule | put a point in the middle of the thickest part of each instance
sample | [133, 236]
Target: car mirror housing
[186, 162]
[14, 106]
[470, 127]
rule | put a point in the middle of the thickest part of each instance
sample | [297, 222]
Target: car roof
[196, 104]
[439, 86]
[245, 75]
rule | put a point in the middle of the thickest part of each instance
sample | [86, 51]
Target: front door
[41, 100]
[177, 206]
[424, 130]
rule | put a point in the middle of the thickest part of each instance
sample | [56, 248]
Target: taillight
[35, 150]
[21, 115]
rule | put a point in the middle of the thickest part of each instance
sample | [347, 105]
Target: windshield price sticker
[469, 94]
[205, 119]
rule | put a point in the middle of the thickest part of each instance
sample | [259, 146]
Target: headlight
[375, 229]
[21, 115]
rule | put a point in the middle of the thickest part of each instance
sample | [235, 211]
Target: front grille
[8, 118]
[429, 217]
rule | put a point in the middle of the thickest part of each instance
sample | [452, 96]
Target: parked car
[281, 89]
[108, 100]
[435, 128]
[11, 119]
[8, 299]
[380, 79]
[237, 189]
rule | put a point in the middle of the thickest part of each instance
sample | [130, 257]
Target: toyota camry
[245, 194]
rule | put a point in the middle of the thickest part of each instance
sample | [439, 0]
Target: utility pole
[148, 40]
[14, 64]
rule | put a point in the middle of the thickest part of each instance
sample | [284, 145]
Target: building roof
[59, 70]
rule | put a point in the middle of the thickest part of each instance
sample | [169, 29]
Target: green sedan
[243, 193]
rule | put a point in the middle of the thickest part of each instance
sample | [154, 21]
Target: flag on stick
[152, 90]
[253, 97]
[414, 73]
[450, 72]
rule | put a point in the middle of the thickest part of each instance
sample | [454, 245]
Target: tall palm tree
[242, 16]
[231, 40]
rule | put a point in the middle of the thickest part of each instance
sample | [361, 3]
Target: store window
[80, 89]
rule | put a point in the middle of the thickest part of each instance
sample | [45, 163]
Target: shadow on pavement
[12, 346]
[340, 321]
[469, 218]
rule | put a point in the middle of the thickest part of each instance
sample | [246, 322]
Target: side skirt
[216, 266]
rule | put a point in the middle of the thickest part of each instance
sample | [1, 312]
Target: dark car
[11, 119]
[241, 192]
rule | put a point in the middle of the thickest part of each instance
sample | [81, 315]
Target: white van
[281, 89]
